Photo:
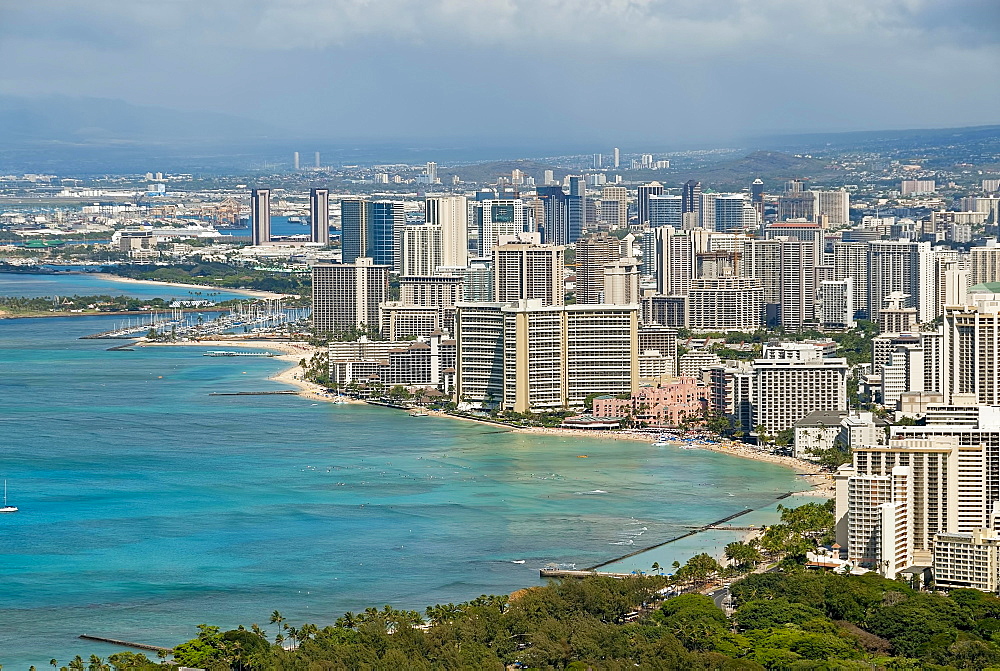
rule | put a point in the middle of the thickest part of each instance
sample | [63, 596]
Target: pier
[126, 644]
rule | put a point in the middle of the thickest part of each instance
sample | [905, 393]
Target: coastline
[291, 352]
[820, 482]
[253, 293]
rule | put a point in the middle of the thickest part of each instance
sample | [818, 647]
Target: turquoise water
[148, 506]
[86, 284]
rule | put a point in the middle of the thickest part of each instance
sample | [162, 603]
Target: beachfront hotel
[526, 356]
[347, 295]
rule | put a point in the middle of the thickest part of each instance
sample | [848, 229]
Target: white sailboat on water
[6, 508]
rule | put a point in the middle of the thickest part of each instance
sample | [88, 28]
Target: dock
[279, 392]
[126, 644]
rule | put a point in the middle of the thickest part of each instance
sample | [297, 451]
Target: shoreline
[820, 482]
[252, 293]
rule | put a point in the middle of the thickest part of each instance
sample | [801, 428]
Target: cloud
[572, 68]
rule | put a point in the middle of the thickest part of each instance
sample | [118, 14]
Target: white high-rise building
[783, 391]
[972, 351]
[319, 215]
[674, 264]
[835, 206]
[984, 263]
[836, 303]
[906, 267]
[528, 270]
[725, 304]
[787, 270]
[529, 357]
[850, 260]
[621, 282]
[260, 216]
[422, 249]
[615, 215]
[493, 218]
[916, 187]
[347, 295]
[451, 213]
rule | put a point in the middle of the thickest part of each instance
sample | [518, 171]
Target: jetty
[126, 644]
[718, 524]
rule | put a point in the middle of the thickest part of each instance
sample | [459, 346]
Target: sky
[626, 72]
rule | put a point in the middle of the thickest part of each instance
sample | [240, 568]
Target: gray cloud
[635, 69]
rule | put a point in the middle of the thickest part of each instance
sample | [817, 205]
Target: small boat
[517, 561]
[661, 443]
[6, 508]
[418, 413]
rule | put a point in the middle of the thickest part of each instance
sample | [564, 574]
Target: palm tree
[655, 566]
[277, 618]
[347, 621]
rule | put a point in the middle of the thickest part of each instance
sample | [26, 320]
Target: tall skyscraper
[598, 161]
[372, 229]
[347, 296]
[523, 270]
[316, 162]
[451, 213]
[642, 201]
[834, 207]
[577, 204]
[353, 229]
[984, 263]
[295, 161]
[492, 218]
[972, 351]
[422, 247]
[850, 260]
[674, 262]
[691, 196]
[616, 215]
[906, 267]
[757, 197]
[729, 216]
[593, 253]
[432, 172]
[705, 212]
[787, 268]
[319, 215]
[563, 215]
[616, 161]
[621, 282]
[260, 216]
[665, 211]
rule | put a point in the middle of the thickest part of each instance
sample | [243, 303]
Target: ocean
[148, 506]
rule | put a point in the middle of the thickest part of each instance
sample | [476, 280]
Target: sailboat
[6, 508]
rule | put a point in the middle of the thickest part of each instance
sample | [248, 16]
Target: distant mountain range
[61, 119]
